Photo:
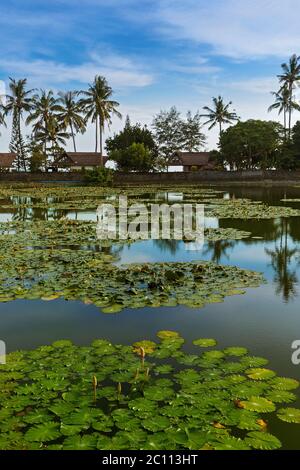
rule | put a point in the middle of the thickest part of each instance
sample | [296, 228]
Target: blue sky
[155, 54]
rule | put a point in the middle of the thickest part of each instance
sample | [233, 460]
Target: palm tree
[18, 102]
[220, 114]
[283, 104]
[54, 133]
[44, 105]
[289, 79]
[70, 113]
[99, 107]
[2, 117]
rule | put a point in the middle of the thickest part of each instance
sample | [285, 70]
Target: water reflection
[283, 260]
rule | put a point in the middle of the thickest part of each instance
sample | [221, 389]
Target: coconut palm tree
[219, 114]
[18, 102]
[98, 107]
[44, 105]
[283, 104]
[53, 133]
[289, 78]
[70, 114]
[2, 117]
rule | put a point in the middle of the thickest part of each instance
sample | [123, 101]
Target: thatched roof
[7, 159]
[194, 159]
[85, 159]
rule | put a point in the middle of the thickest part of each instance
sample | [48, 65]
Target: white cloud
[235, 28]
[120, 71]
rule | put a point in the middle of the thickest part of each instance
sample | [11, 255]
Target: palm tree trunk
[290, 110]
[73, 137]
[101, 135]
[96, 147]
[220, 129]
[21, 149]
[284, 123]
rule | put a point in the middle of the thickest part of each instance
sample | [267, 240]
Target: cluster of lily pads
[66, 232]
[148, 396]
[92, 278]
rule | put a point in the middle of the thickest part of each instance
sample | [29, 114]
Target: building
[194, 161]
[76, 161]
[7, 161]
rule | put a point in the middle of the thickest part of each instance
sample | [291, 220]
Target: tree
[220, 114]
[252, 144]
[37, 158]
[70, 114]
[2, 116]
[173, 134]
[18, 102]
[54, 134]
[167, 127]
[99, 108]
[132, 133]
[192, 136]
[289, 78]
[136, 157]
[281, 103]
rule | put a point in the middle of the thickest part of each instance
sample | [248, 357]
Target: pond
[265, 319]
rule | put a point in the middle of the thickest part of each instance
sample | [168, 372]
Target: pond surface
[266, 319]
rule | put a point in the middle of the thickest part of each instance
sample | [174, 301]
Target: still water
[266, 320]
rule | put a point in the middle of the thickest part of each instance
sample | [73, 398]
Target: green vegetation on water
[148, 396]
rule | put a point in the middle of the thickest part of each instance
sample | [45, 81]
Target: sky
[154, 53]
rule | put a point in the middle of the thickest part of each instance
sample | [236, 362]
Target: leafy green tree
[136, 157]
[100, 175]
[290, 154]
[18, 102]
[220, 114]
[252, 144]
[70, 114]
[132, 133]
[289, 78]
[99, 108]
[173, 134]
[37, 158]
[167, 127]
[192, 136]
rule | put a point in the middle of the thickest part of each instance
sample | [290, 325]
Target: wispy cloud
[120, 71]
[239, 29]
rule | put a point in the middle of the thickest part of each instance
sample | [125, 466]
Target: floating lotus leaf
[235, 351]
[280, 396]
[205, 342]
[258, 404]
[290, 415]
[231, 443]
[260, 374]
[156, 423]
[262, 441]
[148, 346]
[87, 442]
[167, 334]
[48, 431]
[283, 383]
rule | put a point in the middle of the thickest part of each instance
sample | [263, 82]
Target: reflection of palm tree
[172, 246]
[218, 249]
[281, 257]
